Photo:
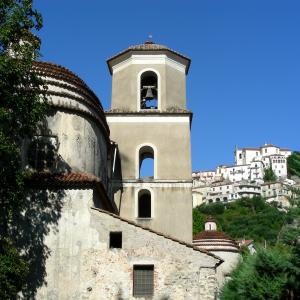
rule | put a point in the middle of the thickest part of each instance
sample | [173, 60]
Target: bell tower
[149, 122]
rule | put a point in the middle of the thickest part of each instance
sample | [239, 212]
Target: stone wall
[82, 266]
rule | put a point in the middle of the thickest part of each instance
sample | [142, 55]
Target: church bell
[149, 93]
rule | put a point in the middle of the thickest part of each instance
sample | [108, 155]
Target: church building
[119, 234]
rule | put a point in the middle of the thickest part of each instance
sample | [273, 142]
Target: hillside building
[245, 178]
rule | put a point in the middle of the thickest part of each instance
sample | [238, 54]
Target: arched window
[146, 162]
[144, 204]
[148, 90]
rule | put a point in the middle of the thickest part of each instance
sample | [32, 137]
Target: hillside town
[246, 178]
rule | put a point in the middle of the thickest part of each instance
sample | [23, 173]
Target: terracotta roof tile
[63, 178]
[211, 234]
[71, 180]
[150, 46]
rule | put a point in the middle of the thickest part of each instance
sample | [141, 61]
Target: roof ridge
[189, 245]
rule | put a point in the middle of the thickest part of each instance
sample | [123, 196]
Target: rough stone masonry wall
[81, 265]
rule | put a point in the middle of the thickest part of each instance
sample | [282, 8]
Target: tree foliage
[271, 274]
[13, 270]
[246, 218]
[22, 108]
[269, 175]
[293, 164]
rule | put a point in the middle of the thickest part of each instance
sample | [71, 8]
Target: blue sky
[243, 85]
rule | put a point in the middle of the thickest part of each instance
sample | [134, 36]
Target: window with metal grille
[42, 152]
[143, 280]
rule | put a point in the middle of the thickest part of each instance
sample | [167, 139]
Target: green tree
[13, 270]
[293, 164]
[198, 221]
[269, 175]
[22, 108]
[271, 274]
[246, 218]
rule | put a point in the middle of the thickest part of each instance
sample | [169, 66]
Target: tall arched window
[148, 90]
[146, 162]
[144, 204]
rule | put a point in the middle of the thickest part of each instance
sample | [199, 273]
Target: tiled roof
[63, 179]
[48, 68]
[245, 242]
[64, 83]
[210, 219]
[211, 234]
[268, 145]
[71, 180]
[160, 234]
[213, 240]
[150, 46]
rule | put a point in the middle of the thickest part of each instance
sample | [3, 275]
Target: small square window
[143, 280]
[115, 240]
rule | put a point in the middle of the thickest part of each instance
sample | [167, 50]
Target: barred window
[42, 152]
[143, 280]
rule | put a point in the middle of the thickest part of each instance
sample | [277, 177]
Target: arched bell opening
[144, 204]
[148, 90]
[146, 163]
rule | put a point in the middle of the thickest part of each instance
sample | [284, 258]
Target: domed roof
[150, 46]
[213, 240]
[59, 72]
[68, 91]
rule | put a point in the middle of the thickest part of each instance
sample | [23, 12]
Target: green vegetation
[245, 218]
[21, 109]
[269, 175]
[272, 273]
[293, 164]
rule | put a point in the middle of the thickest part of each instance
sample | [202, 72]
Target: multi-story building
[245, 178]
[269, 156]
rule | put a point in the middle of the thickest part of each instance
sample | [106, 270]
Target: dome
[76, 125]
[213, 240]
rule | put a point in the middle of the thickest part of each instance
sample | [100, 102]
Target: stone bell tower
[149, 122]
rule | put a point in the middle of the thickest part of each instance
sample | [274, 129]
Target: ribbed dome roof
[211, 234]
[68, 91]
[214, 240]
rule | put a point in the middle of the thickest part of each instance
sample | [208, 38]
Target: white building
[268, 156]
[243, 179]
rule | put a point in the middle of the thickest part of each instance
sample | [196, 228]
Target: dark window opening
[146, 163]
[143, 280]
[148, 96]
[144, 204]
[115, 240]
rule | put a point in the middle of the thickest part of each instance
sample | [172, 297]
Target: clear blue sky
[244, 82]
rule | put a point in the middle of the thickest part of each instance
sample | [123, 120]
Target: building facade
[245, 178]
[149, 120]
[115, 234]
